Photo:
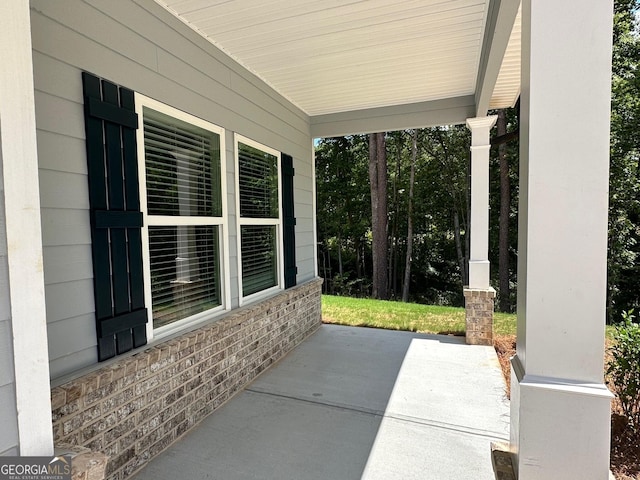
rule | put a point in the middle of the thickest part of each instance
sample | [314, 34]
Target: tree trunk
[378, 180]
[373, 186]
[505, 207]
[407, 261]
[381, 152]
[356, 246]
[461, 257]
[393, 237]
[325, 284]
[329, 278]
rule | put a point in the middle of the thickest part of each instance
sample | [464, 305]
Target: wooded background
[393, 208]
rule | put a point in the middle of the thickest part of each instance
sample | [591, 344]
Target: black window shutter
[289, 221]
[116, 220]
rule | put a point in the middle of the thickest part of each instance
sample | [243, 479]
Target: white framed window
[258, 203]
[182, 176]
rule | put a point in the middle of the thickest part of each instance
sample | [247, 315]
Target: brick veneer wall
[134, 408]
[479, 315]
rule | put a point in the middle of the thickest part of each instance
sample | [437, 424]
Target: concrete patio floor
[354, 403]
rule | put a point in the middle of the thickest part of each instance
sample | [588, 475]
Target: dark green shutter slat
[113, 140]
[122, 322]
[136, 275]
[97, 199]
[124, 342]
[107, 111]
[288, 221]
[110, 123]
[102, 281]
[139, 336]
[132, 195]
[106, 347]
[119, 271]
[287, 169]
[130, 153]
[115, 183]
[95, 148]
[111, 219]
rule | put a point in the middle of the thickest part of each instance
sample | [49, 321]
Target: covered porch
[354, 403]
[287, 75]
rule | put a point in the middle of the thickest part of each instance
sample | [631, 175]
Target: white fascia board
[500, 20]
[449, 111]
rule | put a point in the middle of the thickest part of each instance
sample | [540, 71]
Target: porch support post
[560, 407]
[20, 200]
[479, 296]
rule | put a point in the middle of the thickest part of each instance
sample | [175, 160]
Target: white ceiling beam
[398, 117]
[502, 15]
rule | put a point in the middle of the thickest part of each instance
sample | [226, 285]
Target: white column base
[559, 428]
[479, 274]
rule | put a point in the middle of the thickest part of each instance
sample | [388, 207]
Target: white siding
[8, 423]
[139, 45]
[8, 413]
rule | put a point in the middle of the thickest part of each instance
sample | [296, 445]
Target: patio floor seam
[492, 435]
[351, 408]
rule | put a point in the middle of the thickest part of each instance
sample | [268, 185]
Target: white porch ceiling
[336, 56]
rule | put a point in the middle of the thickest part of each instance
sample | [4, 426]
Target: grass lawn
[363, 312]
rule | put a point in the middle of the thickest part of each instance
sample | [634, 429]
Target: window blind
[182, 167]
[259, 267]
[258, 181]
[185, 271]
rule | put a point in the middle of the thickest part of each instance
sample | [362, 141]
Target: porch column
[560, 407]
[20, 200]
[479, 296]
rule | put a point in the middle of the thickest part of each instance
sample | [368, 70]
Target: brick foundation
[85, 464]
[479, 314]
[133, 409]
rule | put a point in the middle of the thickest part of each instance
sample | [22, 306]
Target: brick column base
[479, 315]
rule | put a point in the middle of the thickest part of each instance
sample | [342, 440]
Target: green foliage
[624, 184]
[623, 369]
[440, 213]
[344, 213]
[344, 209]
[344, 285]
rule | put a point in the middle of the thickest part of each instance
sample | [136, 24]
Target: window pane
[182, 167]
[185, 272]
[259, 269]
[258, 178]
